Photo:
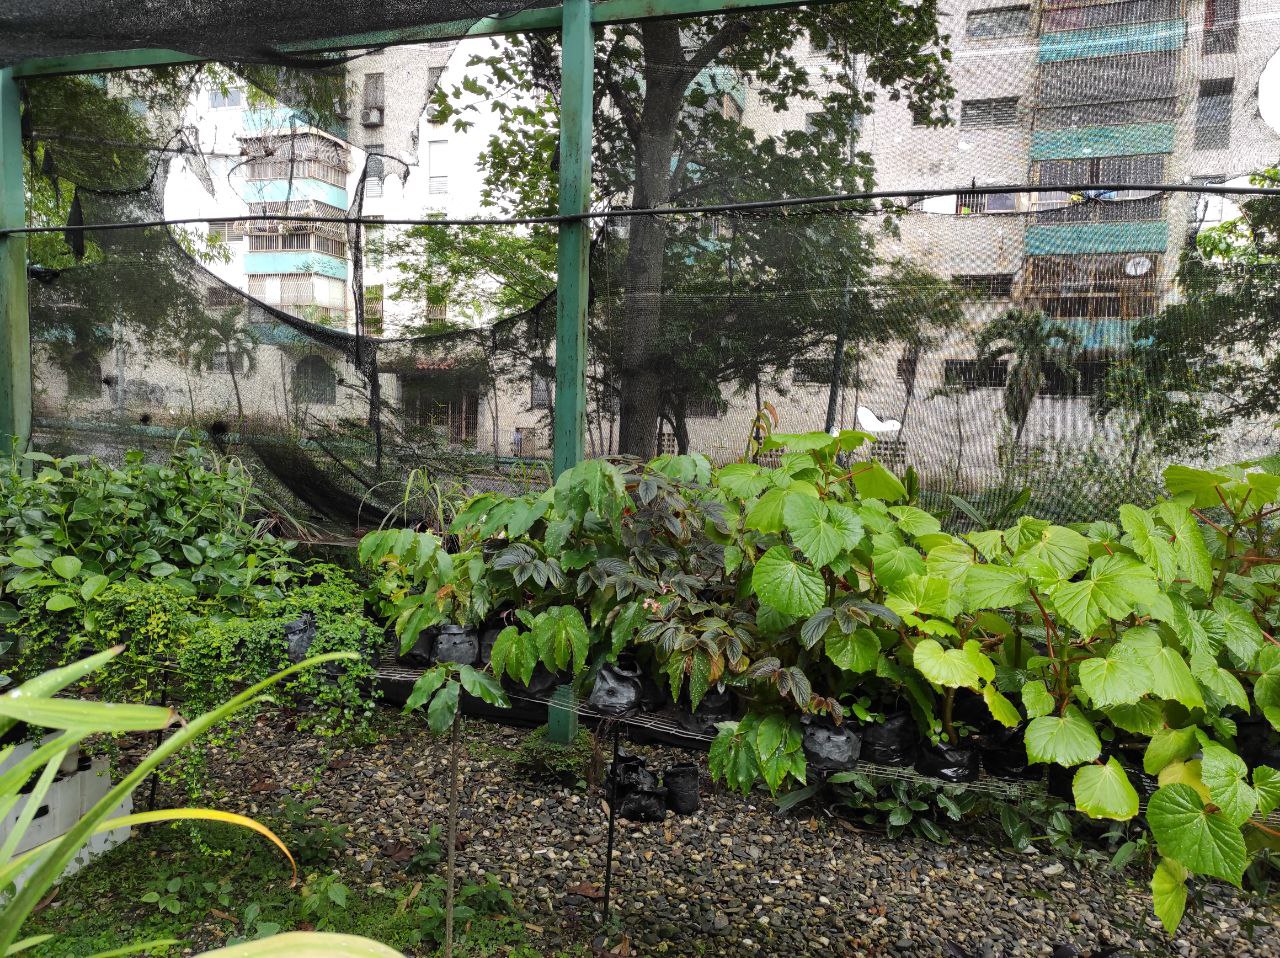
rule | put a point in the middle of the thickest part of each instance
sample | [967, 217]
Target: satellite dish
[1269, 93]
[870, 422]
[1138, 266]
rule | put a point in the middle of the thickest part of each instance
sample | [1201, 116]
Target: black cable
[738, 207]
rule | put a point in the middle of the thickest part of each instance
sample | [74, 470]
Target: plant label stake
[452, 848]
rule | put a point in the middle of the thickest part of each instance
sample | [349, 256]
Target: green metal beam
[577, 70]
[540, 18]
[15, 330]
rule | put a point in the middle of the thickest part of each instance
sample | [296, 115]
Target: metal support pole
[613, 819]
[577, 64]
[15, 330]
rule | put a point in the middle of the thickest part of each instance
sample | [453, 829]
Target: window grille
[541, 389]
[1144, 76]
[967, 203]
[813, 369]
[314, 382]
[1076, 15]
[1101, 286]
[997, 22]
[986, 285]
[374, 91]
[295, 170]
[220, 99]
[1221, 25]
[704, 407]
[667, 444]
[229, 231]
[996, 112]
[225, 362]
[1106, 114]
[1213, 114]
[373, 239]
[975, 374]
[437, 167]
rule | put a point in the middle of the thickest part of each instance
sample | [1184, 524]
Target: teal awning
[1074, 143]
[1149, 237]
[1113, 41]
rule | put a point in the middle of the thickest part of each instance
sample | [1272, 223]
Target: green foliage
[540, 759]
[913, 808]
[817, 585]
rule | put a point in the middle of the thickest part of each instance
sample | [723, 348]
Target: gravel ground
[734, 879]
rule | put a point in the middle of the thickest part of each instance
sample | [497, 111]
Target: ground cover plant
[1139, 652]
[177, 561]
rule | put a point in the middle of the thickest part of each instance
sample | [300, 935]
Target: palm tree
[226, 339]
[1032, 344]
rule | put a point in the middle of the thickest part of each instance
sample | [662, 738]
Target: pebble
[735, 879]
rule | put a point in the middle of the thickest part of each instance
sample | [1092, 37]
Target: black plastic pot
[681, 783]
[419, 655]
[950, 763]
[457, 643]
[891, 742]
[630, 774]
[644, 805]
[829, 747]
[1004, 754]
[716, 707]
[298, 636]
[617, 689]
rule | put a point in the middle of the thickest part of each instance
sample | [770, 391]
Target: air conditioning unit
[371, 116]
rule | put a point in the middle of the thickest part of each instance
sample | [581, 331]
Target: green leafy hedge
[817, 583]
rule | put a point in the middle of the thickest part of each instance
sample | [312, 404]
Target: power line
[736, 207]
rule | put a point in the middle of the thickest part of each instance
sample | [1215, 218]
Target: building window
[373, 243]
[813, 369]
[1221, 23]
[541, 389]
[997, 22]
[967, 203]
[667, 443]
[84, 377]
[222, 99]
[704, 407]
[1148, 76]
[1076, 16]
[374, 91]
[374, 169]
[986, 285]
[1213, 114]
[229, 231]
[223, 361]
[1000, 111]
[314, 382]
[437, 167]
[975, 374]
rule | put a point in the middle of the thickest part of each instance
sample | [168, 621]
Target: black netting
[232, 30]
[1045, 257]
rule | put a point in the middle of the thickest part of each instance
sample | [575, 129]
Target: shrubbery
[817, 583]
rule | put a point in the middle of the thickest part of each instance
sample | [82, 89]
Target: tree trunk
[654, 141]
[680, 428]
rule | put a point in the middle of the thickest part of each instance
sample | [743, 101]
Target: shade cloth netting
[240, 30]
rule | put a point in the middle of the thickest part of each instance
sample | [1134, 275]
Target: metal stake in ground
[451, 854]
[613, 818]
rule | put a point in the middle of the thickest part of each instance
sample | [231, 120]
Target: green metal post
[15, 332]
[577, 64]
[562, 716]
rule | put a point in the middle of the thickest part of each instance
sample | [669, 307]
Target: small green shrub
[542, 760]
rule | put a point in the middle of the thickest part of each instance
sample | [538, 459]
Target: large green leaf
[950, 668]
[1036, 699]
[1141, 718]
[951, 560]
[1219, 681]
[1002, 710]
[994, 587]
[1114, 681]
[874, 481]
[1104, 791]
[84, 716]
[1200, 483]
[766, 514]
[1226, 776]
[856, 652]
[922, 595]
[66, 566]
[1169, 745]
[1241, 633]
[915, 522]
[893, 561]
[1055, 553]
[1170, 676]
[816, 532]
[562, 637]
[786, 585]
[1188, 543]
[743, 480]
[1116, 584]
[1066, 740]
[1266, 785]
[1151, 543]
[1169, 893]
[1185, 830]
